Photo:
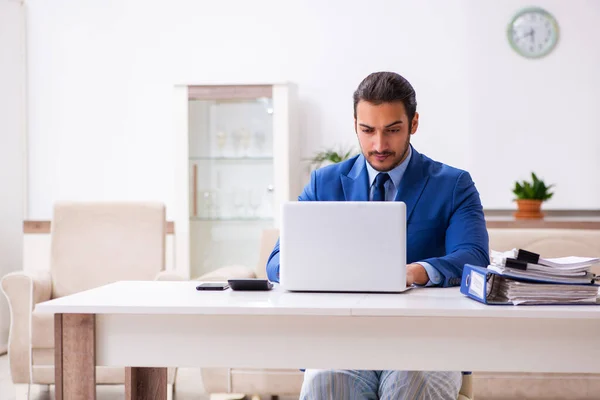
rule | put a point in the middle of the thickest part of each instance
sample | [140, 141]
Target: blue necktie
[379, 189]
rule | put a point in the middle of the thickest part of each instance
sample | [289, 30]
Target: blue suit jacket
[445, 222]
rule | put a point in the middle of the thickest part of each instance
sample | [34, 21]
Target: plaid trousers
[384, 385]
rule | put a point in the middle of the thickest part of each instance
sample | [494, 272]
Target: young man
[445, 225]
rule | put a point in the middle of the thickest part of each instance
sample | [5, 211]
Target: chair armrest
[168, 276]
[229, 272]
[21, 287]
[23, 291]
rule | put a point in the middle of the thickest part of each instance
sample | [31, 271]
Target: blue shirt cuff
[435, 278]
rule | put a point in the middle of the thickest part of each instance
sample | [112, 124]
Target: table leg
[145, 383]
[75, 356]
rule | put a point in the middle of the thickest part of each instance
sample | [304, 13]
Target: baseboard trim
[533, 376]
[536, 386]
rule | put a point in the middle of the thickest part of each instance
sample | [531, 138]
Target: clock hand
[532, 35]
[527, 34]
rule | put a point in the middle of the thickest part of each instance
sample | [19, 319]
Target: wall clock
[533, 32]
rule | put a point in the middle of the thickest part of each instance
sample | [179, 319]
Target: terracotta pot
[529, 209]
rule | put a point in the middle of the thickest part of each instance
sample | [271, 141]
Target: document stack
[519, 263]
[522, 277]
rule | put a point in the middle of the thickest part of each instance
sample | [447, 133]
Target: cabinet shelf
[233, 159]
[232, 219]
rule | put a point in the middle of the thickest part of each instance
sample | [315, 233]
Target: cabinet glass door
[231, 180]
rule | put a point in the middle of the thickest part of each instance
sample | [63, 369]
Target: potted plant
[331, 156]
[530, 196]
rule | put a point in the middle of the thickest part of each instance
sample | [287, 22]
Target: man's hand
[416, 273]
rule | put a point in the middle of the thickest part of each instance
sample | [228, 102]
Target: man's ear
[355, 130]
[415, 124]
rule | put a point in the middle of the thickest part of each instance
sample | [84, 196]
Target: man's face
[383, 133]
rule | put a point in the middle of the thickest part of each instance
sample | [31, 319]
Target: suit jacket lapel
[412, 184]
[356, 182]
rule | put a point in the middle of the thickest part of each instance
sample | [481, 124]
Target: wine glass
[239, 202]
[207, 204]
[221, 141]
[216, 206]
[245, 137]
[259, 140]
[254, 201]
[237, 137]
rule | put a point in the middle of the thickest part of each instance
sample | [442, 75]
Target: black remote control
[250, 284]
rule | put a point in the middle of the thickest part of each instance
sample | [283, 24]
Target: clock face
[533, 33]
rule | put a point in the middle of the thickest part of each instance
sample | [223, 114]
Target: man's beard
[391, 153]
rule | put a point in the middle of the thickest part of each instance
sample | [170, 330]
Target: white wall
[12, 146]
[101, 78]
[537, 115]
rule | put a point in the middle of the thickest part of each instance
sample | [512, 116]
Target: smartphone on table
[213, 286]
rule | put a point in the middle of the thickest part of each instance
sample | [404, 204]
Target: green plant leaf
[331, 155]
[534, 190]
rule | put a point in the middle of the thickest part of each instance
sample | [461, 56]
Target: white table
[153, 325]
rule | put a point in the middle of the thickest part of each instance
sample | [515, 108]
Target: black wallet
[250, 284]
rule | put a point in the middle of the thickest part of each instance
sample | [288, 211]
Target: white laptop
[343, 246]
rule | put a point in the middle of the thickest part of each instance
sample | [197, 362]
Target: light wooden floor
[487, 387]
[189, 386]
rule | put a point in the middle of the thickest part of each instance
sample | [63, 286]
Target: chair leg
[21, 391]
[170, 390]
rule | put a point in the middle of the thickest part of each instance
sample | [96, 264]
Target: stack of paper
[527, 265]
[507, 290]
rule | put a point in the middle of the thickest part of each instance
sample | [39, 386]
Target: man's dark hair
[387, 87]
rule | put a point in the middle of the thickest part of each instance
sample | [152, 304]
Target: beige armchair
[268, 381]
[92, 244]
